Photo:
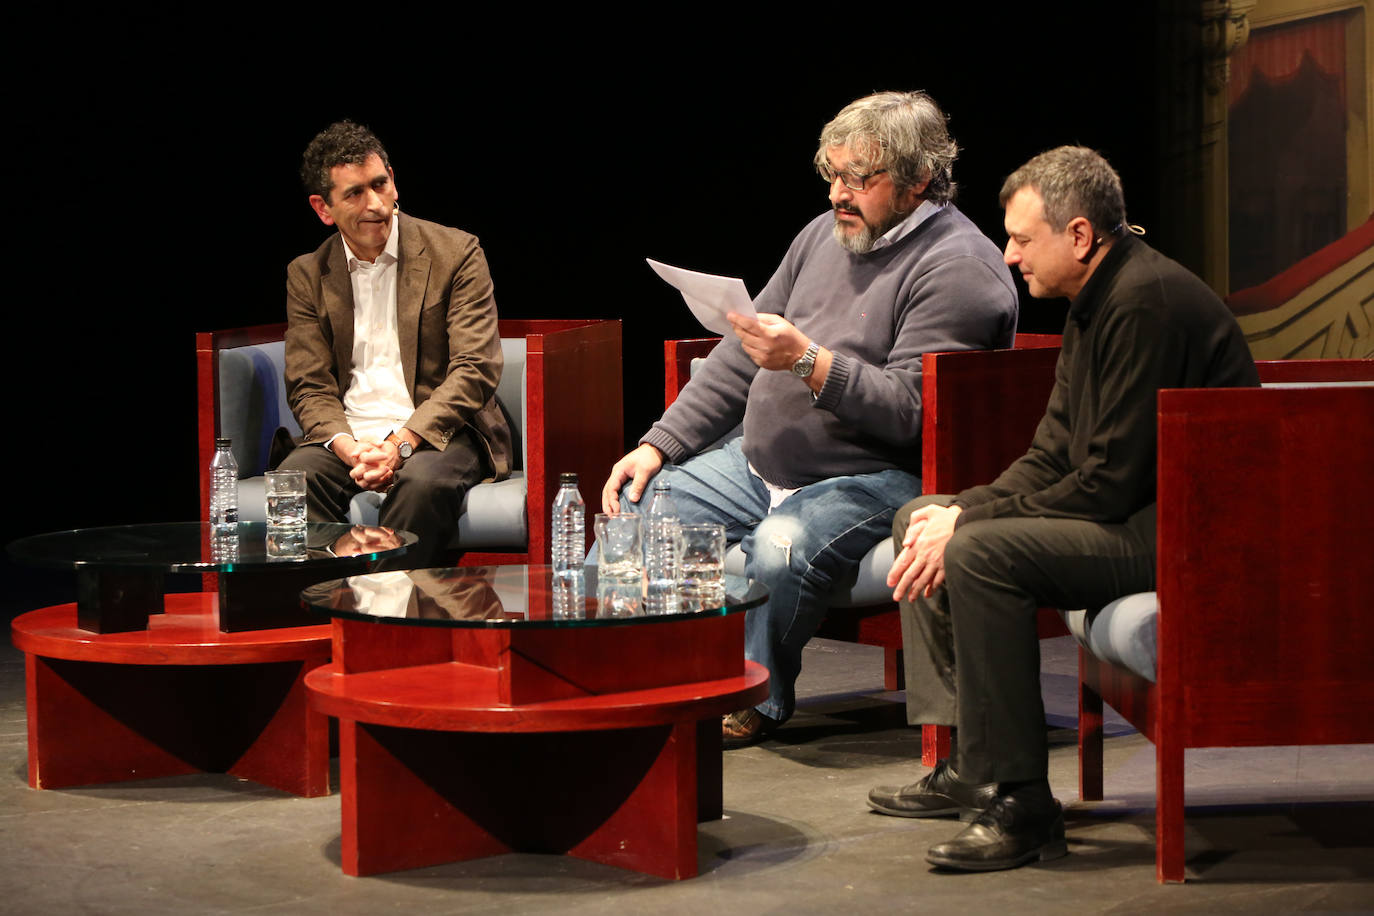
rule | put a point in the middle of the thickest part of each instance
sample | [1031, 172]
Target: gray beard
[861, 242]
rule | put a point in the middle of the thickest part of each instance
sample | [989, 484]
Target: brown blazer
[446, 322]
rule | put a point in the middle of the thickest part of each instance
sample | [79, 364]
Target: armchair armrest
[574, 402]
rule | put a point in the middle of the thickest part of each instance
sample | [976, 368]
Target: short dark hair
[1072, 181]
[341, 143]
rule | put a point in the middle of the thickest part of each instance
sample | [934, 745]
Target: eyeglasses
[851, 181]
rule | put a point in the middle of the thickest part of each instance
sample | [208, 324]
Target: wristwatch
[402, 446]
[803, 367]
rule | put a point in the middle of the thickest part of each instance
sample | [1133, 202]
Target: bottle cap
[223, 443]
[567, 477]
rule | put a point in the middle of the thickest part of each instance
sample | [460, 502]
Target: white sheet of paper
[710, 297]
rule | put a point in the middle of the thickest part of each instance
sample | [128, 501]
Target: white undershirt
[376, 400]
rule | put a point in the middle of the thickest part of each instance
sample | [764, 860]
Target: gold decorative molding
[1332, 318]
[1225, 27]
[1278, 12]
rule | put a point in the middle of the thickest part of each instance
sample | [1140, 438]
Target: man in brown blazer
[392, 353]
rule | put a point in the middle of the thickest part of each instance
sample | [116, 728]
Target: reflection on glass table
[506, 596]
[120, 569]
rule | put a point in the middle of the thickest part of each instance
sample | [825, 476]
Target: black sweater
[1141, 323]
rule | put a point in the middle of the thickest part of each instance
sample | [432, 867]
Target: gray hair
[341, 143]
[1073, 181]
[903, 132]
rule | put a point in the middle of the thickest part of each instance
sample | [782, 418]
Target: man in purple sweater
[827, 380]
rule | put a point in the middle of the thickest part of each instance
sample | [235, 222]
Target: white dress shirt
[376, 400]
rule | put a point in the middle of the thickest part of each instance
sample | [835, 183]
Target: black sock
[1034, 793]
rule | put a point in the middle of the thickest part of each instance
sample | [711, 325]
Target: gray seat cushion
[1123, 633]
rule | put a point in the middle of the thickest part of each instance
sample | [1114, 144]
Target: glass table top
[509, 597]
[190, 547]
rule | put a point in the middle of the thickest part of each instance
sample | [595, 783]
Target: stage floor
[1268, 829]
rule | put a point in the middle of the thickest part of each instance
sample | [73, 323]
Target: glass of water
[286, 499]
[701, 571]
[619, 565]
[619, 551]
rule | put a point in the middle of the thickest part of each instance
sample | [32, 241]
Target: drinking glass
[285, 499]
[619, 552]
[620, 565]
[701, 570]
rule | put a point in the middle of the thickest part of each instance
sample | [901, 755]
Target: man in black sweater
[1070, 524]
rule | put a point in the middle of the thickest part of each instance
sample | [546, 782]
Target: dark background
[153, 190]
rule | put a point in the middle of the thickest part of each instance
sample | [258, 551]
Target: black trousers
[971, 649]
[426, 500]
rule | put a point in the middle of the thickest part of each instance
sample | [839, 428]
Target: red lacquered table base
[601, 743]
[179, 697]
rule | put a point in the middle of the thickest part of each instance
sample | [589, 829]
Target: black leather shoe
[940, 793]
[1006, 835]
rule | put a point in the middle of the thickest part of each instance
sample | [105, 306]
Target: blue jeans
[815, 537]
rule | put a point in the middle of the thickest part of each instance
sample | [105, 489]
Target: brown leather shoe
[743, 728]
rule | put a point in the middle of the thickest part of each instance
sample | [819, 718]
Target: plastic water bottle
[568, 526]
[660, 553]
[224, 489]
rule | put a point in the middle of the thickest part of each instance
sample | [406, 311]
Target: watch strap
[403, 447]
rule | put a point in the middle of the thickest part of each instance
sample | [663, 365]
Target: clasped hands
[919, 567]
[374, 464]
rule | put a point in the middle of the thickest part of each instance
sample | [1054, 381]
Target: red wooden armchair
[1009, 398]
[1264, 630]
[562, 389]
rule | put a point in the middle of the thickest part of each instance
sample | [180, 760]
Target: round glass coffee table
[496, 709]
[120, 569]
[131, 683]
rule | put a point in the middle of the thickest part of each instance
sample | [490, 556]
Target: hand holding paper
[710, 297]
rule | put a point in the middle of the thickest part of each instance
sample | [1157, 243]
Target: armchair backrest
[1314, 371]
[1266, 527]
[239, 397]
[252, 402]
[510, 393]
[980, 410]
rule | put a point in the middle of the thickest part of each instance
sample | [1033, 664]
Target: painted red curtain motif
[1277, 52]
